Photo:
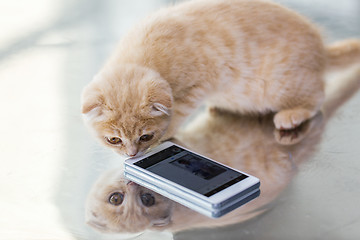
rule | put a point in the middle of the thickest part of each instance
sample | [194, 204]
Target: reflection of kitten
[257, 151]
[118, 205]
[243, 56]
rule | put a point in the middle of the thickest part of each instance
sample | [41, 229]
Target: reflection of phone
[193, 180]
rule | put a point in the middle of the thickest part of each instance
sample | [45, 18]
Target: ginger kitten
[259, 150]
[245, 56]
[118, 205]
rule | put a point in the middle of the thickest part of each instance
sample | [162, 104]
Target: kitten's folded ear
[158, 109]
[161, 99]
[97, 225]
[92, 100]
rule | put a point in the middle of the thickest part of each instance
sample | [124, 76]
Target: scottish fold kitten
[245, 56]
[118, 205]
[271, 154]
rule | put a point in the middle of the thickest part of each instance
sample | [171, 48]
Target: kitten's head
[129, 108]
[116, 205]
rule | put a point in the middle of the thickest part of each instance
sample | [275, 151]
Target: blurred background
[50, 49]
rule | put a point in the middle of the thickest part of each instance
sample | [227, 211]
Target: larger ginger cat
[245, 56]
[116, 205]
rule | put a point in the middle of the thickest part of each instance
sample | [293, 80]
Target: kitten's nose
[132, 151]
[132, 186]
[131, 183]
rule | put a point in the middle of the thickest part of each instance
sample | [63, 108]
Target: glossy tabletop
[50, 49]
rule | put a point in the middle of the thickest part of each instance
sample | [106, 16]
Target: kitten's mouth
[159, 223]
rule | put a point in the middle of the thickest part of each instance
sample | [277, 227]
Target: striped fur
[246, 56]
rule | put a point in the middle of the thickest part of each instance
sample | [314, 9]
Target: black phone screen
[191, 170]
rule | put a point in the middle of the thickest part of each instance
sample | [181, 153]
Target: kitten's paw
[289, 119]
[292, 136]
[296, 135]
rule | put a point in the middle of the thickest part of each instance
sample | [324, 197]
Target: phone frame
[213, 213]
[216, 201]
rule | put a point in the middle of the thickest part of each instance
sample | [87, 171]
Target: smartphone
[193, 180]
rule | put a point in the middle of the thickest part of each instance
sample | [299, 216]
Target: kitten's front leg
[295, 105]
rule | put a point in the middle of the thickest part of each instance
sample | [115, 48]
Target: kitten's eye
[113, 140]
[147, 199]
[116, 198]
[146, 137]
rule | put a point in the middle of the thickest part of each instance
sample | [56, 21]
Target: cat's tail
[343, 54]
[340, 88]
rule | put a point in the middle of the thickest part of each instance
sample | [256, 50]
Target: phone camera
[176, 149]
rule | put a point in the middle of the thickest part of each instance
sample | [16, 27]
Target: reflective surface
[51, 49]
